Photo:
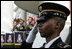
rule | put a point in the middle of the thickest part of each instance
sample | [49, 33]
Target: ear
[57, 25]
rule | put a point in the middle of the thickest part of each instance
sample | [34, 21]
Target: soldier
[20, 25]
[50, 24]
[15, 23]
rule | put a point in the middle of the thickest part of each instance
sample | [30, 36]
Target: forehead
[50, 20]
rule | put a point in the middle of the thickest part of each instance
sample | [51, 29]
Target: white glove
[32, 34]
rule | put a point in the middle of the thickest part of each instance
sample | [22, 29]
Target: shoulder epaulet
[63, 45]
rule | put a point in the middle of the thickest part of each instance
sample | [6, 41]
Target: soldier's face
[47, 28]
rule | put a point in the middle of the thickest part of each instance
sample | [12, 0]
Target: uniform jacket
[56, 44]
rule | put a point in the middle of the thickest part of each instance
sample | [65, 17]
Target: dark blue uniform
[57, 44]
[49, 10]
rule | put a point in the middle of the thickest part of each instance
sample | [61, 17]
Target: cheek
[49, 27]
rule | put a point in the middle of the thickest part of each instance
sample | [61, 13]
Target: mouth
[42, 34]
[40, 30]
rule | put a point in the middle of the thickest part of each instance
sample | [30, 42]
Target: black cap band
[49, 14]
[46, 15]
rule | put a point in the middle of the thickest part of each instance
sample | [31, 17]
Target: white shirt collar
[50, 43]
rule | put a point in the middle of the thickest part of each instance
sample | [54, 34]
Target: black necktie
[43, 45]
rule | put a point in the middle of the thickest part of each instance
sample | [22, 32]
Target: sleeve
[26, 45]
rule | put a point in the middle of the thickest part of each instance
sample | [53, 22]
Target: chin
[45, 36]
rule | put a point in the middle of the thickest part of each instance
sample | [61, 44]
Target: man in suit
[50, 24]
